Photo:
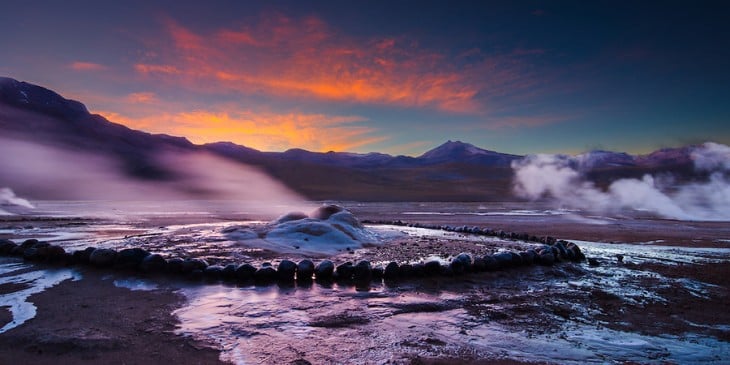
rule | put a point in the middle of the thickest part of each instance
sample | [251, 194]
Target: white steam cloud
[60, 174]
[558, 177]
[8, 198]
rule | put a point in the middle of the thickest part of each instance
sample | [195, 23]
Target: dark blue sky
[391, 76]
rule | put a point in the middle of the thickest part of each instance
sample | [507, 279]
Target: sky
[398, 77]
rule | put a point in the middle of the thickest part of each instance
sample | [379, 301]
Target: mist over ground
[38, 171]
[561, 178]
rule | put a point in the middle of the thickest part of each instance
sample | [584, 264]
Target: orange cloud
[261, 130]
[142, 98]
[86, 66]
[304, 58]
[164, 69]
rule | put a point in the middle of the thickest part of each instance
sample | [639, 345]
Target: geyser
[558, 177]
[327, 230]
[49, 172]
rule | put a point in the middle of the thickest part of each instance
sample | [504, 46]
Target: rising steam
[8, 198]
[46, 172]
[559, 177]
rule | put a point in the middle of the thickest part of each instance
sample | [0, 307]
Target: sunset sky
[392, 76]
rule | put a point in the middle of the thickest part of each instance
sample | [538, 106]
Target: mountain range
[453, 171]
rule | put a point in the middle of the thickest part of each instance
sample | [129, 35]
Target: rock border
[305, 271]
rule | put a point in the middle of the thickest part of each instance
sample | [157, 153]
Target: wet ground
[659, 297]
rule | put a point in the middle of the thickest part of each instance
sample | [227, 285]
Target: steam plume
[8, 197]
[558, 177]
[54, 173]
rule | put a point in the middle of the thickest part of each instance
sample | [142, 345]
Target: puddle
[34, 280]
[392, 325]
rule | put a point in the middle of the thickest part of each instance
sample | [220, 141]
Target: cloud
[195, 179]
[142, 98]
[265, 131]
[160, 69]
[712, 157]
[8, 198]
[560, 179]
[86, 66]
[305, 58]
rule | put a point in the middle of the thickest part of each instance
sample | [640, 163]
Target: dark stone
[40, 252]
[516, 259]
[130, 258]
[305, 270]
[213, 272]
[29, 243]
[556, 253]
[362, 272]
[54, 253]
[577, 253]
[562, 250]
[245, 272]
[31, 254]
[478, 265]
[190, 264]
[461, 264]
[419, 270]
[490, 264]
[545, 257]
[504, 260]
[344, 271]
[17, 250]
[377, 273]
[195, 275]
[82, 257]
[40, 245]
[391, 271]
[265, 275]
[286, 270]
[528, 257]
[102, 257]
[153, 263]
[432, 268]
[67, 259]
[324, 270]
[174, 265]
[592, 261]
[620, 258]
[405, 270]
[229, 272]
[6, 246]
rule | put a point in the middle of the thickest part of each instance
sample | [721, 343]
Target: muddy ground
[91, 321]
[94, 321]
